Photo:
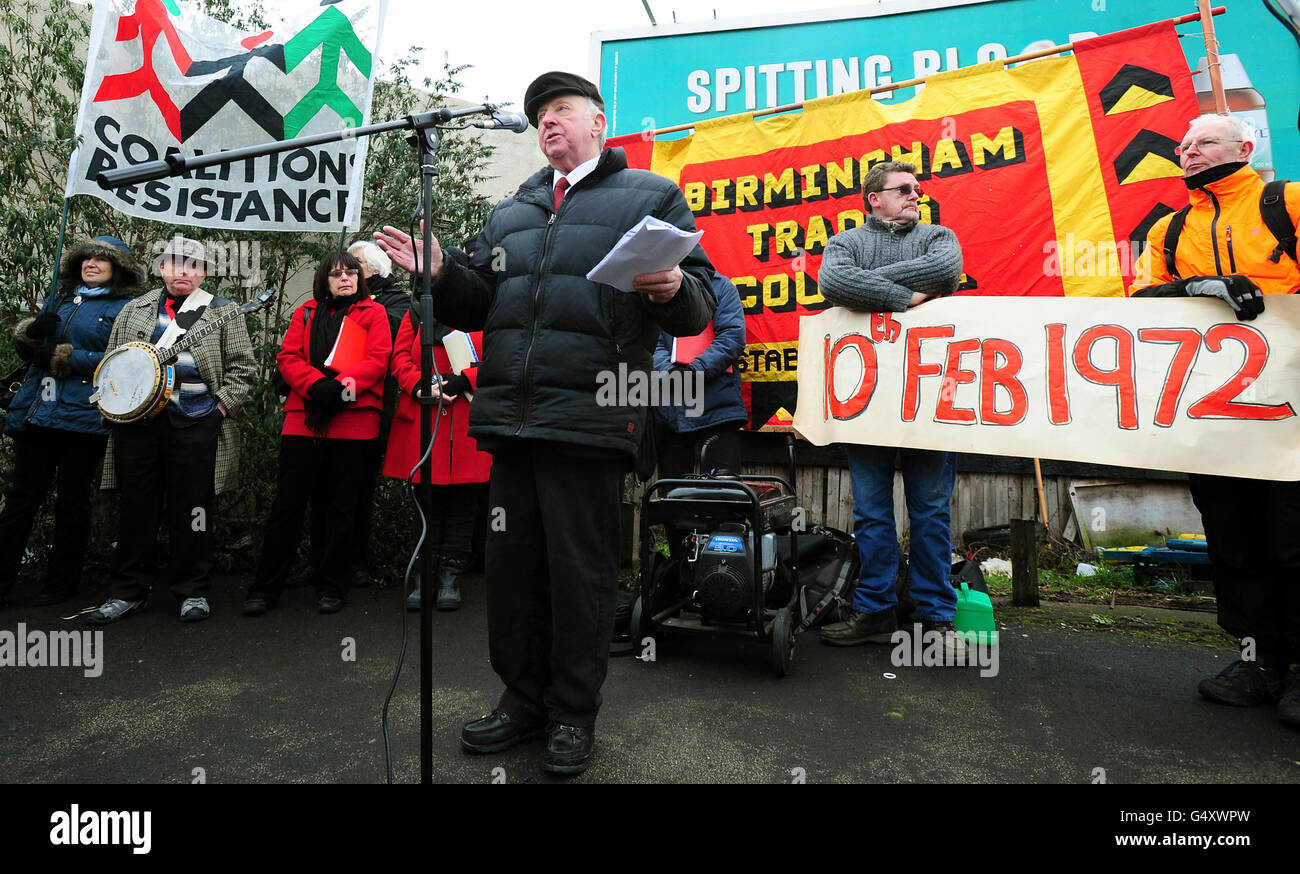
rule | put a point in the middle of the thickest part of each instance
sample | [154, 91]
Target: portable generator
[735, 562]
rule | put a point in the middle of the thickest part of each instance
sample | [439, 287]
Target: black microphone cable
[406, 581]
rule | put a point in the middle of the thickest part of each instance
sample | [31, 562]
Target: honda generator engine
[723, 572]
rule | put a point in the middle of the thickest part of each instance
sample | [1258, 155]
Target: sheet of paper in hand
[650, 246]
[461, 353]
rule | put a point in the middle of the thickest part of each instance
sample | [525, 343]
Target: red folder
[349, 347]
[687, 349]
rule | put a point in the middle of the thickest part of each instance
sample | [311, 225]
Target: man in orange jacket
[1225, 249]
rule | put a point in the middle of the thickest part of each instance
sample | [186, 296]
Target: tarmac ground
[296, 697]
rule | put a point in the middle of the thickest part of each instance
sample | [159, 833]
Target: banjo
[135, 380]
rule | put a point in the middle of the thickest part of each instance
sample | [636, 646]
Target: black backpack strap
[1174, 231]
[1272, 208]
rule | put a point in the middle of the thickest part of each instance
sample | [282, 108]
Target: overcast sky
[509, 42]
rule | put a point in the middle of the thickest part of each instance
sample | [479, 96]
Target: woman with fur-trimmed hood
[57, 431]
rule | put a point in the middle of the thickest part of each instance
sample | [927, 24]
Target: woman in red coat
[334, 358]
[459, 467]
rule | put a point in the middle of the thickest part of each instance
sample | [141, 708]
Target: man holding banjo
[184, 454]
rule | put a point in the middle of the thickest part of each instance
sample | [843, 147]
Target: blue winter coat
[65, 404]
[722, 399]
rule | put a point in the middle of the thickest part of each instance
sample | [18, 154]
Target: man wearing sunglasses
[889, 263]
[1229, 247]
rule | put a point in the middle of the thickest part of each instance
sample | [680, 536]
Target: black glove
[326, 393]
[1244, 296]
[41, 355]
[43, 326]
[324, 402]
[455, 384]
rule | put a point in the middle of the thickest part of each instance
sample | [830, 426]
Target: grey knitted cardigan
[876, 266]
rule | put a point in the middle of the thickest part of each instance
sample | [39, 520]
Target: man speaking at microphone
[559, 455]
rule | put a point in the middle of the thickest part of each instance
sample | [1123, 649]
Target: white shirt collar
[577, 174]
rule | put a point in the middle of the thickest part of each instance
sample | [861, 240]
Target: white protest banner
[162, 79]
[1165, 384]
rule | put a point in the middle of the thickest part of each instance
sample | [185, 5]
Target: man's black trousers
[552, 579]
[164, 469]
[1250, 528]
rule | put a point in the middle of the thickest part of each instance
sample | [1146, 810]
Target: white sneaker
[112, 610]
[954, 644]
[195, 610]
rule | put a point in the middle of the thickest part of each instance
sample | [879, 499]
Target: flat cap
[550, 85]
[185, 249]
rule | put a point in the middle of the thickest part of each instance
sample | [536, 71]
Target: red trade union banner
[1047, 173]
[1160, 383]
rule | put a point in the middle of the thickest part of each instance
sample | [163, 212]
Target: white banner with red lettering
[1165, 384]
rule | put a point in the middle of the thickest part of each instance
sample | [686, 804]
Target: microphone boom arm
[176, 164]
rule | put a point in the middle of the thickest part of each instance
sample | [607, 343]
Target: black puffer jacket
[551, 337]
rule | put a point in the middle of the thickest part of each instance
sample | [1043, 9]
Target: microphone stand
[426, 141]
[425, 137]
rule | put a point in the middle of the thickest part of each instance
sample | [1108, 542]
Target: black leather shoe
[326, 604]
[1245, 684]
[499, 731]
[361, 578]
[568, 749]
[256, 606]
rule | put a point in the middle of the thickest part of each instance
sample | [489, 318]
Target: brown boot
[861, 628]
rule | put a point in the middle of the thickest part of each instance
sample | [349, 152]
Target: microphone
[512, 121]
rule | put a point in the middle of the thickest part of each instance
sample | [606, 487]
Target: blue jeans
[928, 479]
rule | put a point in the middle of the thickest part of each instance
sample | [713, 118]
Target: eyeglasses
[351, 271]
[1202, 145]
[906, 190]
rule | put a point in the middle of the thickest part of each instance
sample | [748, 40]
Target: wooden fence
[979, 500]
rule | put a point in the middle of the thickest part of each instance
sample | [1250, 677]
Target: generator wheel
[640, 625]
[783, 641]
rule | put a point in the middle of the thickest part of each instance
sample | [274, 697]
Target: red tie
[561, 186]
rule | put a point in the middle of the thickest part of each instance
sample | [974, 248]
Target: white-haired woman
[377, 268]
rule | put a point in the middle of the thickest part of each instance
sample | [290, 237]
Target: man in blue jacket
[722, 413]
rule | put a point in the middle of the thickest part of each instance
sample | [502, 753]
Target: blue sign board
[669, 75]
